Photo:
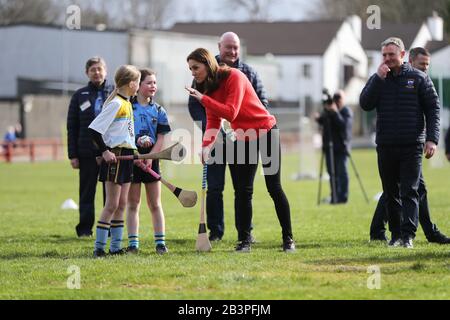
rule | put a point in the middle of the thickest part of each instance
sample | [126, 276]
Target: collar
[97, 88]
[124, 98]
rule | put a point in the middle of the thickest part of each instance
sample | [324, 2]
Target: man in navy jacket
[405, 101]
[85, 105]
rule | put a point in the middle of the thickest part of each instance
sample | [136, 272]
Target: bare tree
[146, 14]
[37, 11]
[391, 10]
[257, 10]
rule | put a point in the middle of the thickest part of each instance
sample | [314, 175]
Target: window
[307, 71]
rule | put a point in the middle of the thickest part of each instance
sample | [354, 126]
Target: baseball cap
[393, 40]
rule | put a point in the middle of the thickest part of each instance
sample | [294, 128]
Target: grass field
[38, 244]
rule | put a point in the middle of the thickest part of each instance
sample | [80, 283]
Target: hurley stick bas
[202, 243]
[187, 198]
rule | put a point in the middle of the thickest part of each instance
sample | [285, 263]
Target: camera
[327, 99]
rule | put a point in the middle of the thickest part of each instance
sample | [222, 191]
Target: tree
[257, 10]
[405, 11]
[37, 11]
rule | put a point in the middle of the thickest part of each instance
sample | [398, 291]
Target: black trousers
[243, 170]
[340, 175]
[88, 175]
[399, 168]
[380, 217]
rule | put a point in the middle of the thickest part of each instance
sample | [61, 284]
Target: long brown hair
[216, 72]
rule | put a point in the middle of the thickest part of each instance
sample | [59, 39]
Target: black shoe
[288, 245]
[133, 250]
[84, 234]
[381, 237]
[408, 243]
[395, 243]
[438, 237]
[213, 237]
[243, 246]
[99, 253]
[161, 249]
[118, 252]
[252, 239]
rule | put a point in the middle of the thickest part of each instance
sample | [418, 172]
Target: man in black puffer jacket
[84, 106]
[406, 102]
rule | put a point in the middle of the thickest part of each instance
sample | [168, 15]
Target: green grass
[38, 244]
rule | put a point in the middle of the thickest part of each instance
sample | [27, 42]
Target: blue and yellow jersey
[116, 124]
[150, 120]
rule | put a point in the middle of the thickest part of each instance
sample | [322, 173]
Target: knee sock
[116, 235]
[160, 238]
[101, 235]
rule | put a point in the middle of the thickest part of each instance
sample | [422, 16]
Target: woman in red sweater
[226, 93]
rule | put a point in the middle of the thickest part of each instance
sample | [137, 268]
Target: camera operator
[336, 124]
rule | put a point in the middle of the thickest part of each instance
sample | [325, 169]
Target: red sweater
[236, 101]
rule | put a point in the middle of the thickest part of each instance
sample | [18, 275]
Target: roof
[372, 39]
[278, 38]
[434, 46]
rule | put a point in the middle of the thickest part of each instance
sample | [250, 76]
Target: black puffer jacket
[404, 104]
[79, 117]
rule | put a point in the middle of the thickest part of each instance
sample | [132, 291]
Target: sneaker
[252, 239]
[438, 237]
[133, 250]
[395, 243]
[408, 243]
[99, 253]
[289, 245]
[161, 249]
[118, 252]
[243, 246]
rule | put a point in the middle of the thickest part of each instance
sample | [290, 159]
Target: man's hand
[204, 156]
[75, 163]
[430, 149]
[332, 107]
[383, 70]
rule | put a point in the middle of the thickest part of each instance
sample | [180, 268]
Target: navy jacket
[79, 117]
[405, 104]
[197, 111]
[339, 126]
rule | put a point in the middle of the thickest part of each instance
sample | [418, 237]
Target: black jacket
[404, 104]
[197, 111]
[79, 140]
[339, 126]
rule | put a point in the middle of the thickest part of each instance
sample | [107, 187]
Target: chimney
[356, 24]
[436, 26]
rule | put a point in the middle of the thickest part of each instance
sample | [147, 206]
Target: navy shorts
[120, 172]
[140, 175]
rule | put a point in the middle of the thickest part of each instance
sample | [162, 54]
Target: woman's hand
[194, 93]
[205, 155]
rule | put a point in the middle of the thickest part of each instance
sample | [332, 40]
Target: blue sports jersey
[150, 120]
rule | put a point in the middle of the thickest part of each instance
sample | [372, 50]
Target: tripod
[330, 149]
